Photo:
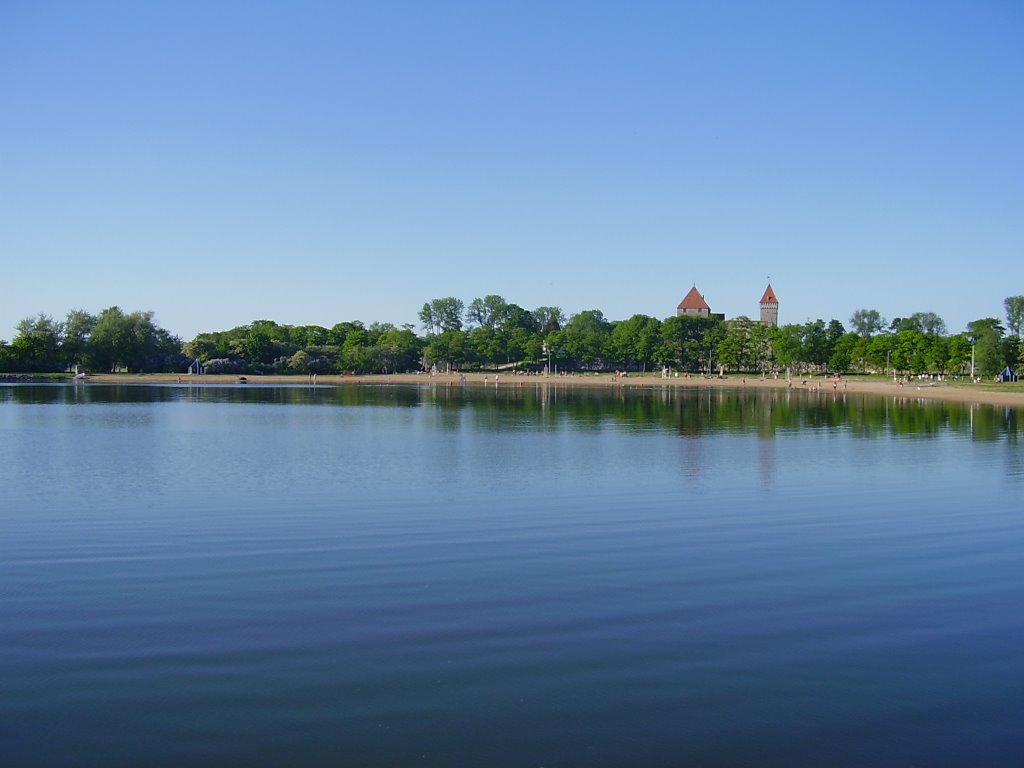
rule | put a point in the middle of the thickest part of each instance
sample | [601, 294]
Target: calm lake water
[389, 576]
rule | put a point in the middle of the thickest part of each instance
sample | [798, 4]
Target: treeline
[266, 347]
[111, 341]
[490, 334]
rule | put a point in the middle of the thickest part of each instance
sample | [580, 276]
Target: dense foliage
[492, 334]
[110, 341]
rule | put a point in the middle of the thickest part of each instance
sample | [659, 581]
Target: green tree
[442, 315]
[37, 345]
[554, 345]
[937, 354]
[986, 335]
[688, 342]
[787, 344]
[761, 336]
[306, 336]
[355, 352]
[486, 311]
[833, 333]
[6, 358]
[1012, 350]
[427, 319]
[206, 346]
[484, 346]
[988, 358]
[867, 322]
[337, 334]
[923, 322]
[910, 351]
[816, 348]
[258, 345]
[879, 352]
[958, 355]
[930, 323]
[132, 341]
[78, 326]
[523, 344]
[745, 345]
[1014, 314]
[549, 319]
[977, 327]
[586, 337]
[447, 349]
[112, 340]
[635, 340]
[844, 352]
[398, 350]
[299, 362]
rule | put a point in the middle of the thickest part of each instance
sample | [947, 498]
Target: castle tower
[770, 307]
[693, 304]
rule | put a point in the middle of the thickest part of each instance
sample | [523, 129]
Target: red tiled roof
[769, 296]
[693, 300]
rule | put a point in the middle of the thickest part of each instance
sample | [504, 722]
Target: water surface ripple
[400, 575]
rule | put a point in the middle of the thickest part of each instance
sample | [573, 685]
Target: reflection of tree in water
[1015, 443]
[690, 413]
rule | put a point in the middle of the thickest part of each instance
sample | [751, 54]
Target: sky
[317, 162]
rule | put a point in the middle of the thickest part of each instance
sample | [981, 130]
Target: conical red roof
[693, 300]
[769, 296]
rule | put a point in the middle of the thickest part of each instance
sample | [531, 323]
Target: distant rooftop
[694, 301]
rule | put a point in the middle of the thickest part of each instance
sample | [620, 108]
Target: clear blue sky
[221, 162]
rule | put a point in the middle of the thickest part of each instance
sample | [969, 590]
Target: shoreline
[984, 394]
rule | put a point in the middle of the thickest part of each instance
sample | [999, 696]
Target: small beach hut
[196, 368]
[1007, 375]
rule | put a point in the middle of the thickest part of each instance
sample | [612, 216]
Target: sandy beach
[985, 393]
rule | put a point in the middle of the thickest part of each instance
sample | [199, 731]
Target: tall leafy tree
[336, 335]
[911, 351]
[930, 323]
[746, 345]
[37, 345]
[549, 319]
[132, 341]
[976, 328]
[958, 355]
[447, 349]
[78, 326]
[879, 352]
[1014, 314]
[688, 341]
[484, 345]
[635, 340]
[586, 337]
[816, 347]
[523, 344]
[486, 311]
[441, 315]
[844, 352]
[989, 359]
[788, 346]
[427, 319]
[986, 335]
[398, 350]
[867, 322]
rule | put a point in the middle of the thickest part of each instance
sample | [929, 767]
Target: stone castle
[694, 304]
